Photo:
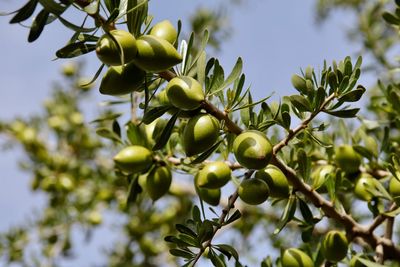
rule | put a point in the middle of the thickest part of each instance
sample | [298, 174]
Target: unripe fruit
[185, 93]
[394, 189]
[364, 185]
[294, 257]
[334, 246]
[214, 175]
[165, 30]
[156, 54]
[107, 49]
[69, 69]
[164, 101]
[253, 191]
[347, 159]
[210, 196]
[252, 149]
[134, 159]
[95, 218]
[121, 80]
[200, 134]
[158, 182]
[276, 181]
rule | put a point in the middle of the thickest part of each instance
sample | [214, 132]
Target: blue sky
[274, 38]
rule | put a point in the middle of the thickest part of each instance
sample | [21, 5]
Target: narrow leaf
[38, 25]
[343, 113]
[25, 12]
[166, 133]
[75, 49]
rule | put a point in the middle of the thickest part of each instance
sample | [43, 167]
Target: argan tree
[194, 155]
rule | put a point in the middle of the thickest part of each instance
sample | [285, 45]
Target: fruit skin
[214, 175]
[200, 134]
[134, 159]
[252, 149]
[276, 181]
[347, 158]
[165, 30]
[394, 189]
[363, 185]
[334, 246]
[185, 93]
[164, 101]
[253, 191]
[107, 50]
[155, 54]
[210, 196]
[121, 80]
[158, 182]
[294, 257]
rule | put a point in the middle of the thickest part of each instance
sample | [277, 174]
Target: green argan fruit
[334, 246]
[347, 158]
[164, 101]
[364, 186]
[107, 49]
[394, 189]
[154, 130]
[276, 180]
[200, 134]
[156, 54]
[321, 174]
[210, 196]
[185, 93]
[121, 80]
[293, 257]
[95, 218]
[253, 191]
[214, 175]
[134, 159]
[69, 69]
[165, 30]
[252, 149]
[158, 182]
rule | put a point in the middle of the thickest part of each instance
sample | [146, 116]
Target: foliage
[88, 170]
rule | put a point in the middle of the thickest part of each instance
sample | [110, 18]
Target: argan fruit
[253, 191]
[134, 159]
[165, 30]
[121, 80]
[214, 175]
[200, 134]
[185, 93]
[107, 49]
[252, 149]
[156, 54]
[276, 180]
[95, 218]
[164, 101]
[334, 246]
[293, 257]
[364, 186]
[158, 182]
[347, 159]
[394, 189]
[210, 196]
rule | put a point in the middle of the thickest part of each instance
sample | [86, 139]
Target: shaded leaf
[300, 103]
[38, 25]
[154, 113]
[343, 113]
[353, 96]
[181, 253]
[228, 251]
[166, 133]
[25, 12]
[134, 189]
[75, 49]
[203, 156]
[287, 214]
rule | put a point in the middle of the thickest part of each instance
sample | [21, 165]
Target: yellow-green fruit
[294, 257]
[394, 189]
[321, 174]
[158, 182]
[95, 218]
[334, 246]
[253, 191]
[276, 180]
[69, 69]
[185, 93]
[210, 196]
[134, 159]
[200, 134]
[364, 186]
[347, 158]
[165, 30]
[154, 129]
[214, 175]
[121, 80]
[252, 149]
[156, 54]
[164, 101]
[107, 49]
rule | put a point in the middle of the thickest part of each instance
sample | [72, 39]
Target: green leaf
[203, 156]
[112, 5]
[77, 28]
[136, 14]
[300, 103]
[191, 240]
[135, 135]
[206, 231]
[236, 71]
[196, 214]
[343, 113]
[25, 12]
[287, 214]
[75, 49]
[353, 96]
[304, 164]
[235, 216]
[154, 113]
[368, 263]
[38, 25]
[306, 212]
[185, 230]
[391, 18]
[107, 117]
[107, 133]
[217, 262]
[53, 7]
[166, 133]
[201, 68]
[183, 253]
[134, 189]
[299, 83]
[228, 251]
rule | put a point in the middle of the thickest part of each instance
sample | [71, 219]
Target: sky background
[274, 38]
